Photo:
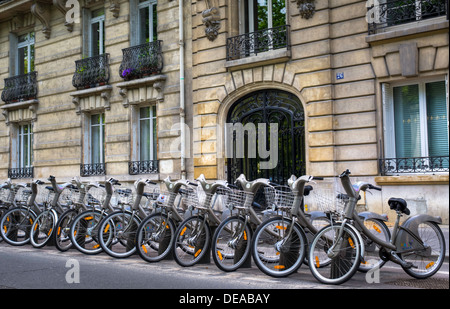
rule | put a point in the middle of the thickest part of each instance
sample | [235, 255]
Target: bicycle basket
[44, 195]
[279, 197]
[324, 197]
[7, 195]
[22, 194]
[239, 199]
[122, 197]
[95, 196]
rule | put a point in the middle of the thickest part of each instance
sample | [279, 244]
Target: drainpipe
[182, 103]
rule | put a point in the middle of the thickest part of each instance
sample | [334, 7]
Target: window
[416, 126]
[25, 54]
[97, 33]
[263, 14]
[97, 138]
[25, 146]
[147, 21]
[147, 133]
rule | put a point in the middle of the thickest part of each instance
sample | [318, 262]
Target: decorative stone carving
[211, 19]
[20, 111]
[307, 8]
[115, 7]
[42, 12]
[92, 99]
[143, 90]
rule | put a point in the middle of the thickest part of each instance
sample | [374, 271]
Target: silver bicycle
[417, 245]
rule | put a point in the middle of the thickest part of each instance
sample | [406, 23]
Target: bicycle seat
[398, 204]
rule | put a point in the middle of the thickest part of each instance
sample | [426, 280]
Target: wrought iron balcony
[141, 60]
[95, 169]
[20, 88]
[91, 72]
[251, 44]
[21, 172]
[396, 12]
[143, 167]
[414, 165]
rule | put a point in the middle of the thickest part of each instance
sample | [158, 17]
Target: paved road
[47, 268]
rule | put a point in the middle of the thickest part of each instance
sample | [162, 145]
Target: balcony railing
[143, 167]
[251, 44]
[141, 60]
[91, 72]
[95, 169]
[21, 172]
[20, 88]
[414, 165]
[388, 13]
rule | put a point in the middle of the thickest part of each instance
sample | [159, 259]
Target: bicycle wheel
[3, 210]
[42, 228]
[117, 234]
[231, 243]
[16, 226]
[83, 232]
[429, 260]
[372, 251]
[191, 241]
[343, 251]
[276, 251]
[61, 236]
[155, 236]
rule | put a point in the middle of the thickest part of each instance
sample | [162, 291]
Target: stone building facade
[337, 77]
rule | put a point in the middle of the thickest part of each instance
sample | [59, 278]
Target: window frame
[101, 142]
[101, 21]
[153, 142]
[387, 90]
[28, 43]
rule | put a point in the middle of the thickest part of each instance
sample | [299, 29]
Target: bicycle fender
[317, 214]
[406, 241]
[361, 242]
[372, 215]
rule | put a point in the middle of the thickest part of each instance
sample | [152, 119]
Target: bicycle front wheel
[276, 251]
[231, 243]
[155, 236]
[84, 231]
[16, 226]
[191, 241]
[343, 251]
[117, 234]
[42, 229]
[427, 258]
[61, 237]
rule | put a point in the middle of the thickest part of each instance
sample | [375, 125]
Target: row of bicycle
[190, 221]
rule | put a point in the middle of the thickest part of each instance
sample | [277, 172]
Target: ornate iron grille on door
[268, 107]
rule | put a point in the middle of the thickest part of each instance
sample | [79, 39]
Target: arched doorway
[269, 107]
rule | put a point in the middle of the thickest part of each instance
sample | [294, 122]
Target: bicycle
[83, 231]
[45, 223]
[82, 200]
[17, 221]
[117, 231]
[156, 233]
[417, 245]
[231, 241]
[193, 235]
[280, 243]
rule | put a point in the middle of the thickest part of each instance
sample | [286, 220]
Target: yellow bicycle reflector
[96, 246]
[59, 231]
[49, 232]
[219, 255]
[184, 230]
[245, 235]
[306, 207]
[429, 265]
[317, 262]
[198, 252]
[280, 227]
[88, 218]
[35, 227]
[376, 228]
[143, 248]
[106, 229]
[350, 241]
[279, 267]
[4, 227]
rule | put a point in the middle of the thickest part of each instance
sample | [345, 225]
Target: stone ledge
[265, 58]
[412, 180]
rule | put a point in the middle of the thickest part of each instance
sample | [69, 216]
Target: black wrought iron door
[268, 107]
